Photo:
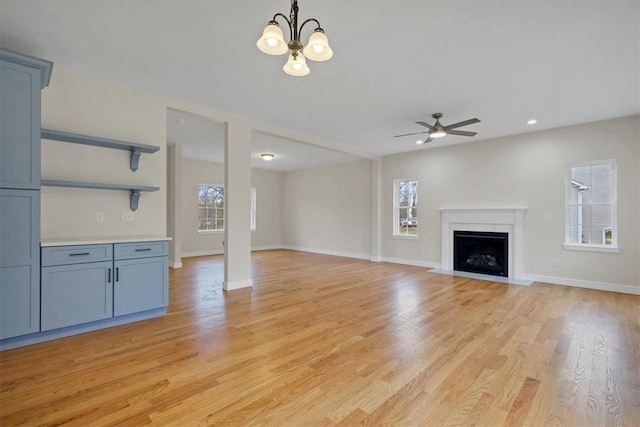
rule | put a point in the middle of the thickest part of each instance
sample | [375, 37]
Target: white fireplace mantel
[501, 220]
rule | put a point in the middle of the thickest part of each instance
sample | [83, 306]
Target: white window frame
[396, 209]
[593, 247]
[215, 231]
[253, 209]
[253, 212]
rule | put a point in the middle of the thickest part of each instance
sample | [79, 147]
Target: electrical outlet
[99, 216]
[127, 216]
[555, 262]
[547, 218]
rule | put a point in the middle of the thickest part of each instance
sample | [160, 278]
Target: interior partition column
[376, 210]
[237, 205]
[174, 204]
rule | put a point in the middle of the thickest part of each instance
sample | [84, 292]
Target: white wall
[81, 104]
[528, 171]
[328, 209]
[268, 185]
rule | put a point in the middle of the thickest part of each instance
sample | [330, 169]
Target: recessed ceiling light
[420, 141]
[181, 121]
[267, 156]
[532, 122]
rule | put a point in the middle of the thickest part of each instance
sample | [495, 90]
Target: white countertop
[67, 241]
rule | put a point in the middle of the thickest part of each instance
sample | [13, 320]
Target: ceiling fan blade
[461, 133]
[460, 124]
[428, 140]
[407, 134]
[427, 125]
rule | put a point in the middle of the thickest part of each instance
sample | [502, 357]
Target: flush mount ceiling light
[272, 43]
[267, 156]
[532, 122]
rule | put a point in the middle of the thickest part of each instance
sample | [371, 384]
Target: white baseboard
[411, 262]
[174, 264]
[610, 287]
[221, 251]
[237, 284]
[327, 252]
[202, 253]
[266, 248]
[375, 259]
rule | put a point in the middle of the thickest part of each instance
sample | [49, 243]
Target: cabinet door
[19, 126]
[140, 284]
[19, 262]
[76, 293]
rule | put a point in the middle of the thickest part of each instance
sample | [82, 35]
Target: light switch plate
[99, 216]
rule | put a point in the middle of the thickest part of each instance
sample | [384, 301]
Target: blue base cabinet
[141, 284]
[90, 287]
[76, 293]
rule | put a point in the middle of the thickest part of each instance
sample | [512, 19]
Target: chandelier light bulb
[318, 47]
[296, 66]
[272, 42]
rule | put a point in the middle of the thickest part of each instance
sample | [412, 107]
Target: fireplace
[495, 220]
[481, 252]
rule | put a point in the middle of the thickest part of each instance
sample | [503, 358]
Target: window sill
[210, 231]
[215, 231]
[405, 237]
[591, 248]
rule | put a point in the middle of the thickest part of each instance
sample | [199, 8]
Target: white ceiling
[395, 62]
[203, 139]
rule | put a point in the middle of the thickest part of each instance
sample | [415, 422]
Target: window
[211, 208]
[405, 215]
[253, 209]
[591, 206]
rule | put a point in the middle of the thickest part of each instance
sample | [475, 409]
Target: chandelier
[272, 43]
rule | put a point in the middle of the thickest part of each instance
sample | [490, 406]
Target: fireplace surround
[499, 220]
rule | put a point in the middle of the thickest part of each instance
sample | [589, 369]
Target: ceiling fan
[437, 130]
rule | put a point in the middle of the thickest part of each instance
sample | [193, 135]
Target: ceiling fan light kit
[272, 43]
[437, 130]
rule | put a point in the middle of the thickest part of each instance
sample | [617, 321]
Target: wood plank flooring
[327, 341]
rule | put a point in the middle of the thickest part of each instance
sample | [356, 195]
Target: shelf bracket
[135, 158]
[133, 200]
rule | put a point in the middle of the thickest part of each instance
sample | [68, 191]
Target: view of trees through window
[591, 202]
[210, 208]
[406, 207]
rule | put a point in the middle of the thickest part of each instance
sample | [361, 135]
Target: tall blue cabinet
[21, 80]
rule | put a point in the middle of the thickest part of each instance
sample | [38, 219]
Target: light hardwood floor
[323, 340]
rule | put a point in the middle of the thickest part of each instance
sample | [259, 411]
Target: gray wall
[528, 171]
[268, 185]
[328, 209]
[84, 105]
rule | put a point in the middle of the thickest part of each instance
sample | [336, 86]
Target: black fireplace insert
[481, 252]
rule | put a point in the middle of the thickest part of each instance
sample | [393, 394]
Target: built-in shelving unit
[134, 148]
[134, 190]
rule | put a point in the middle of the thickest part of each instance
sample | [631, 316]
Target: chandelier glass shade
[272, 43]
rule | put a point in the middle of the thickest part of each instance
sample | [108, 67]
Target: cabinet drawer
[77, 254]
[140, 250]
